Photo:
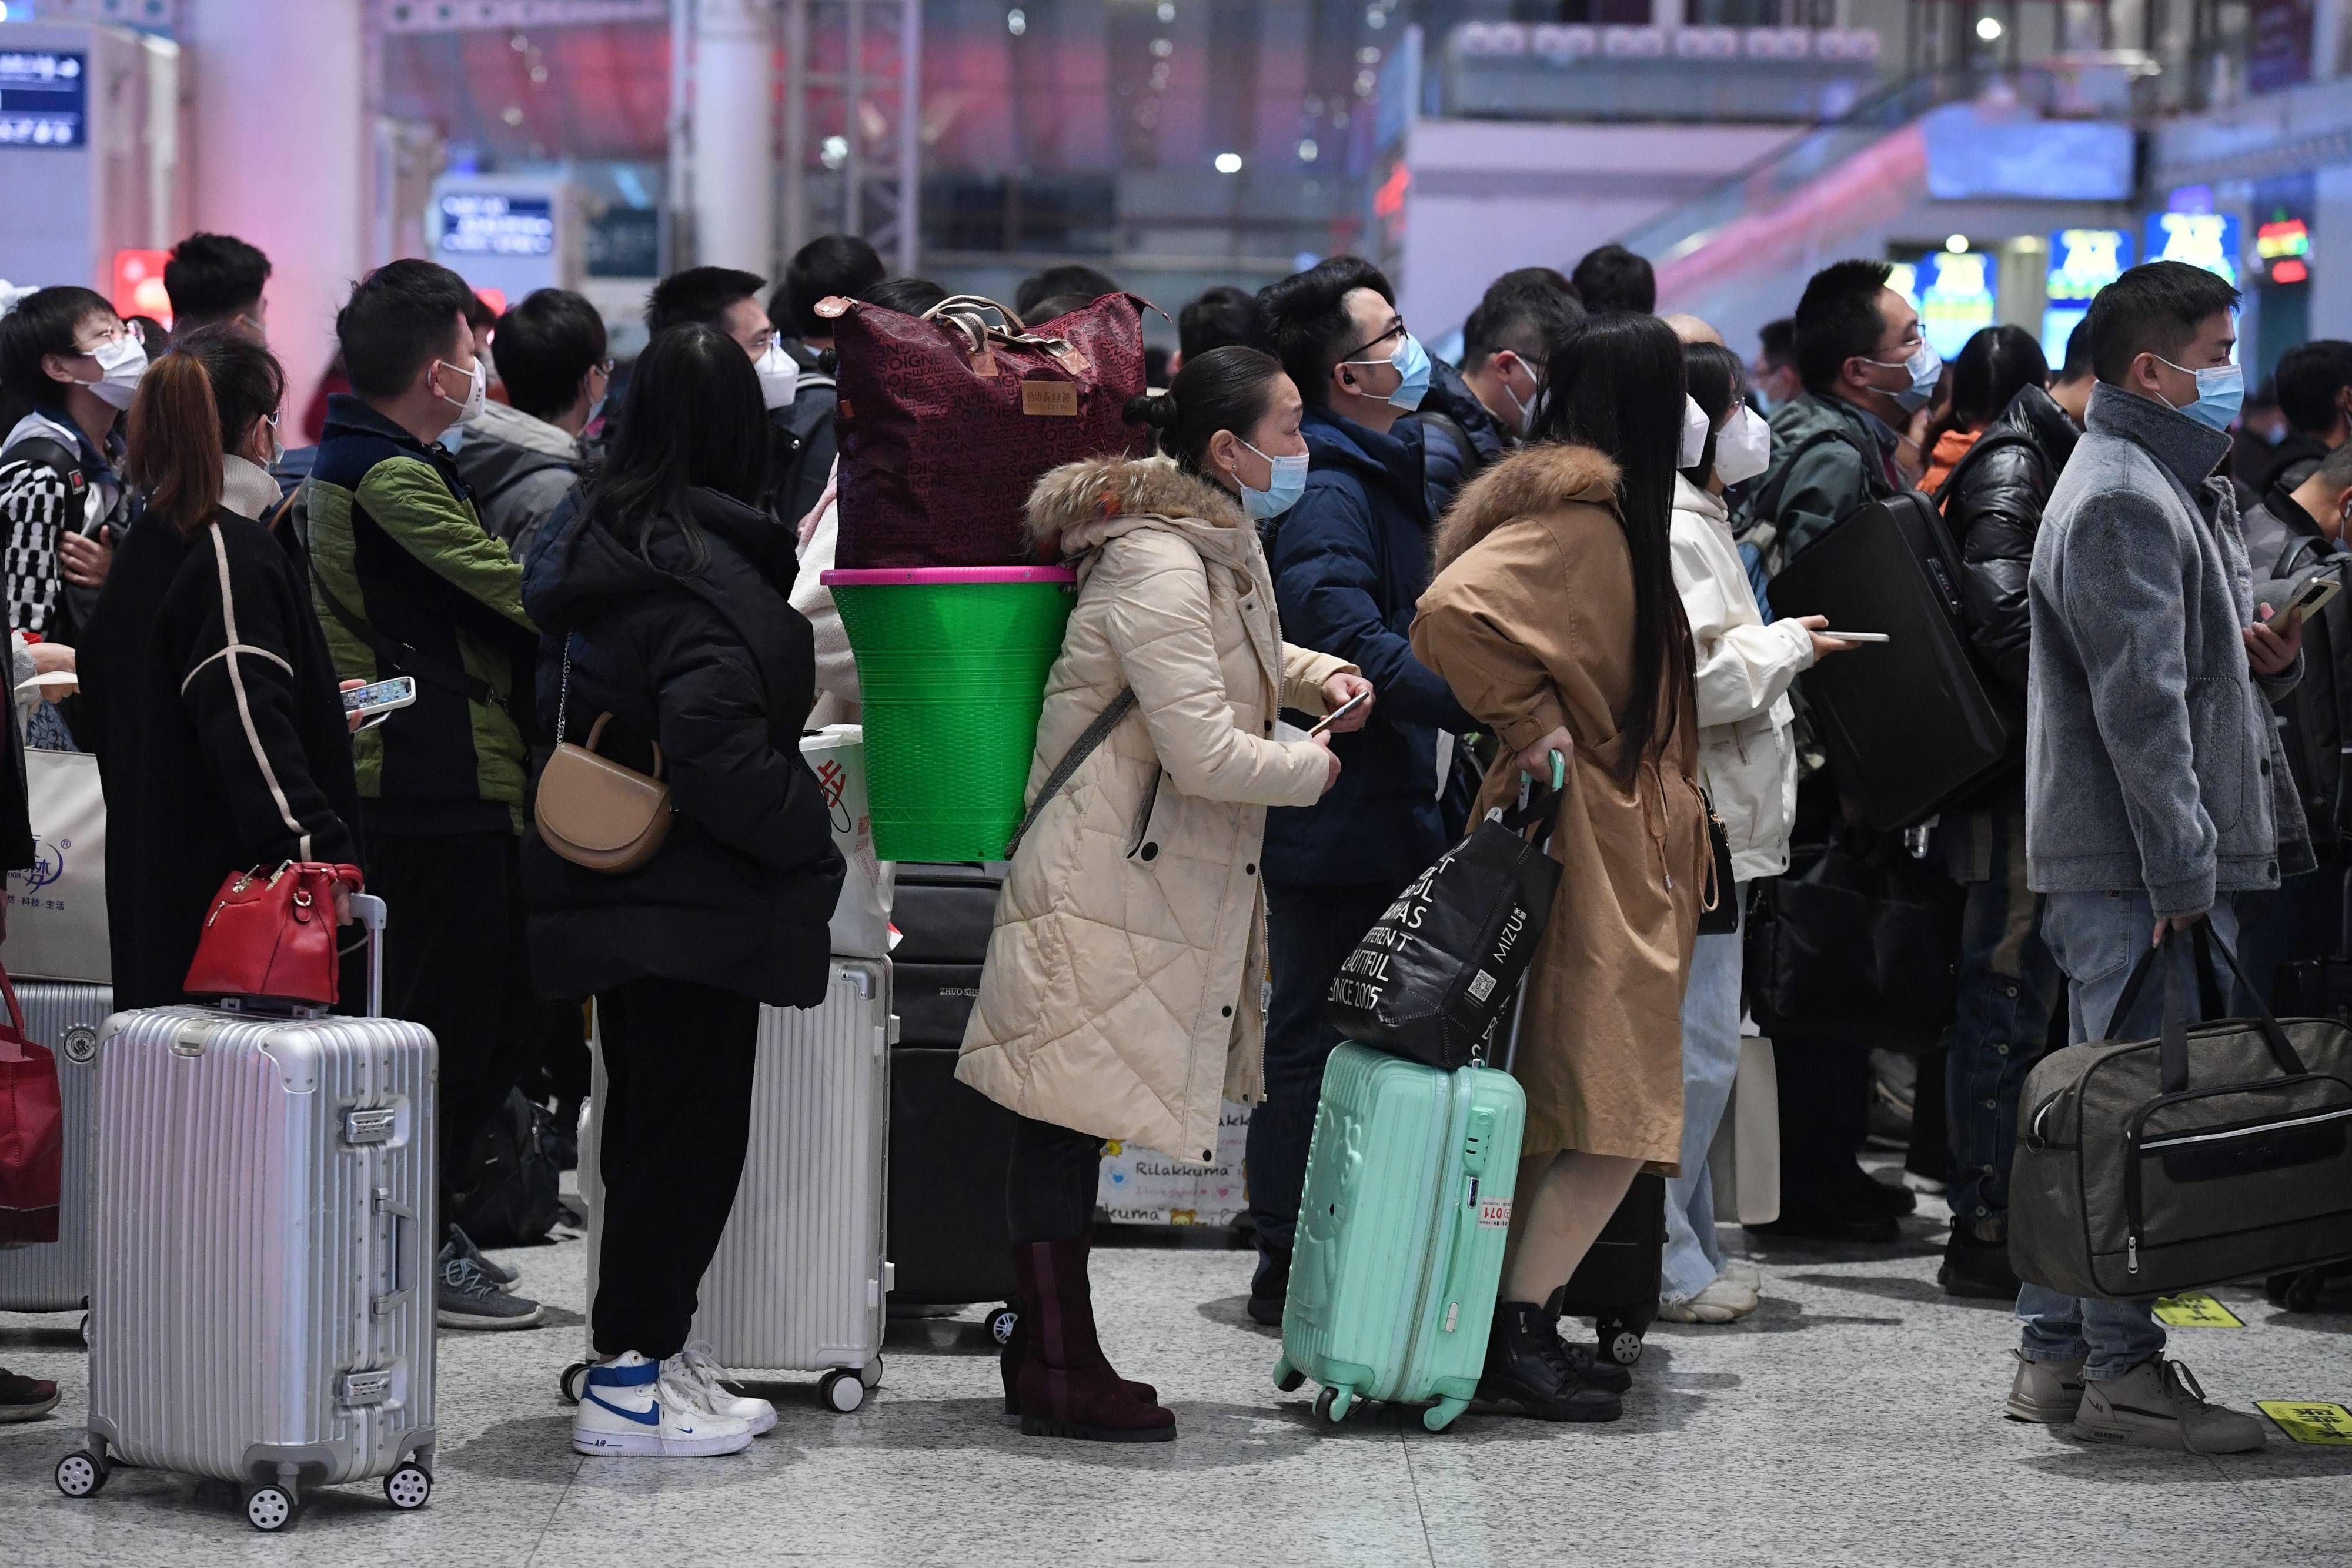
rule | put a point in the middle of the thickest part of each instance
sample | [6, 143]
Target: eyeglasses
[608, 368]
[115, 334]
[1396, 330]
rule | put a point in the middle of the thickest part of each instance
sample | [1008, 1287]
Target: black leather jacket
[1993, 503]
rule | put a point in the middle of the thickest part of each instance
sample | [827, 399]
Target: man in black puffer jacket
[2008, 981]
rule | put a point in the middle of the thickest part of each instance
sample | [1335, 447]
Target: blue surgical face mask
[1282, 491]
[1411, 362]
[1926, 368]
[2221, 394]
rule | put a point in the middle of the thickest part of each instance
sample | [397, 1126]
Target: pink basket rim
[941, 576]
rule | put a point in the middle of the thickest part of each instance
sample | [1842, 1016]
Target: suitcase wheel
[408, 1487]
[574, 1378]
[1287, 1377]
[1001, 1322]
[84, 1331]
[268, 1508]
[841, 1391]
[2302, 1293]
[870, 1374]
[1620, 1341]
[81, 1474]
[1336, 1405]
[1440, 1416]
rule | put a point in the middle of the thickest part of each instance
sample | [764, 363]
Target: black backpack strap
[401, 656]
[1767, 500]
[1080, 749]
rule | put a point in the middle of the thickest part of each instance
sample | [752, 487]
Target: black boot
[1976, 1269]
[1528, 1366]
[1270, 1286]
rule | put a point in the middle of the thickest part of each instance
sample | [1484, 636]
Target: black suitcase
[1617, 1284]
[950, 1144]
[1913, 724]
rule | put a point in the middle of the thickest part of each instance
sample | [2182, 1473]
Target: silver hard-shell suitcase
[798, 1283]
[55, 1277]
[261, 1288]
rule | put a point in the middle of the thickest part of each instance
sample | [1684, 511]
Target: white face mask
[780, 376]
[477, 390]
[1694, 430]
[276, 446]
[124, 362]
[1743, 447]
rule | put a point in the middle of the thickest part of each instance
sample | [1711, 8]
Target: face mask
[1926, 368]
[1694, 433]
[1411, 362]
[780, 376]
[2221, 394]
[1282, 492]
[1743, 448]
[477, 391]
[1527, 411]
[123, 361]
[595, 410]
[277, 447]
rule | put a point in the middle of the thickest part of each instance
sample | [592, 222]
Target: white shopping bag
[1745, 1163]
[56, 911]
[861, 921]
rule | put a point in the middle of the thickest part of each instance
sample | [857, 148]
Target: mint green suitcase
[1400, 1234]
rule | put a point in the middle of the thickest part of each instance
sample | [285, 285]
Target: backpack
[507, 1191]
[1764, 532]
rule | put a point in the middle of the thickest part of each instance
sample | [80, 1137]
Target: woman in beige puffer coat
[1121, 994]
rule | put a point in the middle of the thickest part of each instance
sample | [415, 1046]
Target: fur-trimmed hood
[1535, 479]
[1074, 508]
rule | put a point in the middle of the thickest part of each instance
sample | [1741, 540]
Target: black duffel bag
[1437, 971]
[2214, 1151]
[1861, 946]
[508, 1191]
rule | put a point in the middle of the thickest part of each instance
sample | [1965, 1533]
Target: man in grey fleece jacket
[2149, 801]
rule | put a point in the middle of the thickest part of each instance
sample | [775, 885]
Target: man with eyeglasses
[723, 297]
[1349, 560]
[523, 457]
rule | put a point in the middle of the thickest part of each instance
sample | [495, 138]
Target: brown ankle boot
[1066, 1388]
[1016, 1350]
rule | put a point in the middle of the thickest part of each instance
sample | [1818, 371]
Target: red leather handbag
[273, 935]
[32, 1133]
[948, 419]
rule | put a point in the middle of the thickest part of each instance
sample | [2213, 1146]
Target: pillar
[277, 148]
[734, 135]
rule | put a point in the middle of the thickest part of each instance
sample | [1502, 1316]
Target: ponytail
[175, 443]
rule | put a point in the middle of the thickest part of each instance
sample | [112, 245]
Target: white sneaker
[628, 1407]
[1739, 1270]
[694, 1368]
[1724, 1299]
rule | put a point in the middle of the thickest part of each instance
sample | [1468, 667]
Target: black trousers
[1825, 1093]
[455, 961]
[676, 1121]
[1310, 933]
[1049, 1187]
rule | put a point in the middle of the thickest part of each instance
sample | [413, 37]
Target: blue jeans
[2008, 987]
[1710, 1062]
[2097, 937]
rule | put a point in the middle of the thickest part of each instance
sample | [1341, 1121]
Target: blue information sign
[484, 223]
[2208, 240]
[44, 98]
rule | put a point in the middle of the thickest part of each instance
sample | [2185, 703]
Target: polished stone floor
[1854, 1420]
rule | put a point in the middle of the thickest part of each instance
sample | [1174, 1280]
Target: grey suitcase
[261, 1292]
[798, 1283]
[55, 1277]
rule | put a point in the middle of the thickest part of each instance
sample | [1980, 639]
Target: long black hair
[44, 322]
[1992, 367]
[1224, 389]
[1616, 383]
[694, 420]
[1717, 380]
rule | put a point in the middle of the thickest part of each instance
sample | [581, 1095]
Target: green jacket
[1819, 473]
[397, 547]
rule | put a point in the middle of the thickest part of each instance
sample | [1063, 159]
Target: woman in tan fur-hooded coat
[1121, 996]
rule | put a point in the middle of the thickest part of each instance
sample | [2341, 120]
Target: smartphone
[2314, 595]
[1857, 636]
[1342, 711]
[379, 699]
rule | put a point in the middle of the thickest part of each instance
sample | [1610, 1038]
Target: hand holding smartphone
[1342, 711]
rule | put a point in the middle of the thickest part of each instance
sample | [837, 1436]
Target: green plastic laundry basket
[952, 666]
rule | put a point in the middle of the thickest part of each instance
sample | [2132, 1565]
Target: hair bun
[1156, 409]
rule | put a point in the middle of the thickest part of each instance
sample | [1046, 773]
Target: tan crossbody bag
[593, 811]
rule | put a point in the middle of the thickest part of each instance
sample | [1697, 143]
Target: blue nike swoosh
[650, 1419]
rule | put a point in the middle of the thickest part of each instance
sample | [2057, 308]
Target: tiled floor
[1855, 1419]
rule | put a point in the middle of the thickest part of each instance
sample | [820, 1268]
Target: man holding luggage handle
[2148, 795]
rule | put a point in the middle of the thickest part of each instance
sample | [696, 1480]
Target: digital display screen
[483, 223]
[44, 98]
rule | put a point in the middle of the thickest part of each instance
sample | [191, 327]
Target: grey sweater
[2148, 744]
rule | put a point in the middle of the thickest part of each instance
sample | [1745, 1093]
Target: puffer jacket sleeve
[724, 769]
[1304, 670]
[1995, 512]
[1743, 667]
[1159, 632]
[1472, 631]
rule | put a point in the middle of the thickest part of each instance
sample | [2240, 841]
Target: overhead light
[1229, 162]
[1016, 22]
[1957, 243]
[1308, 151]
[1167, 10]
[1987, 28]
[835, 152]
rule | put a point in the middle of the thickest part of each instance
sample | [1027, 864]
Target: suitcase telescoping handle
[367, 909]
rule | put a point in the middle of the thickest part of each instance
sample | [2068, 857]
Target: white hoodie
[1747, 753]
